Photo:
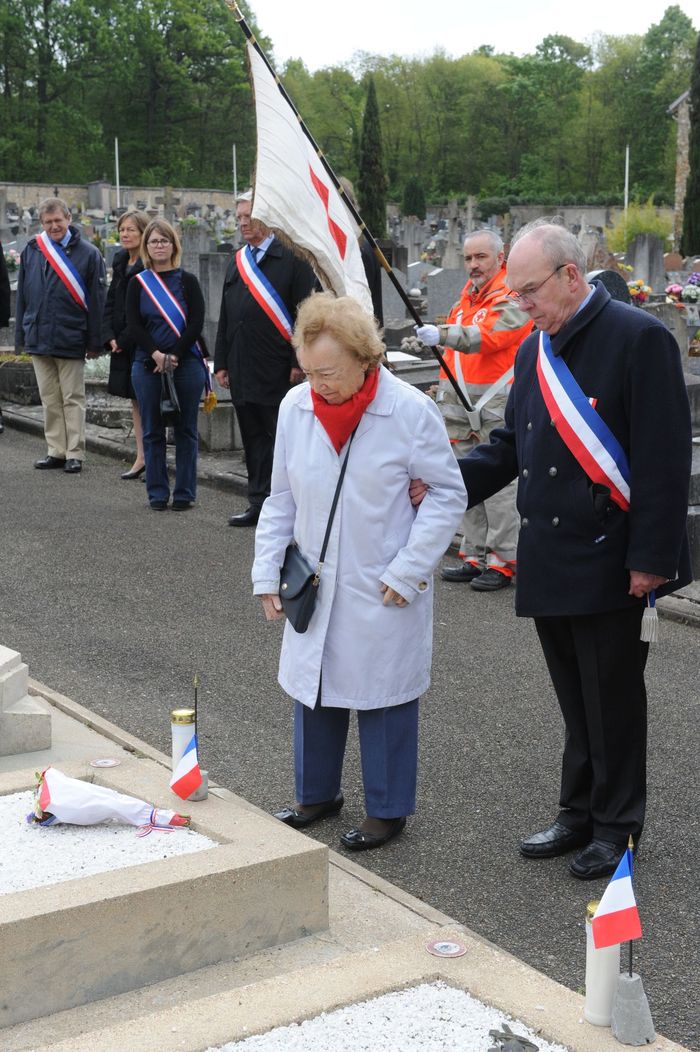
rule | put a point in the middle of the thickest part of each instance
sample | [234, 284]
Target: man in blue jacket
[603, 498]
[60, 299]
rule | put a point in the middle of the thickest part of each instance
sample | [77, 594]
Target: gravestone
[394, 306]
[212, 268]
[196, 241]
[673, 261]
[646, 257]
[444, 289]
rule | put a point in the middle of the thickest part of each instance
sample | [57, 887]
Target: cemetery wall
[103, 196]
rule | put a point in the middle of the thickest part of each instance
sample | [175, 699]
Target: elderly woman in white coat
[369, 643]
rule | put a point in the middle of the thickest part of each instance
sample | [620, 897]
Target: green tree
[372, 180]
[690, 241]
[413, 203]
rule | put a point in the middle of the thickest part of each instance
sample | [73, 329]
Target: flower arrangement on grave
[691, 289]
[12, 259]
[639, 292]
[673, 292]
[430, 254]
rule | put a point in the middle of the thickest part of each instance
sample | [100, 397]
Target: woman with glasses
[115, 334]
[165, 315]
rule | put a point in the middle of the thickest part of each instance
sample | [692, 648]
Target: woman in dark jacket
[115, 334]
[165, 316]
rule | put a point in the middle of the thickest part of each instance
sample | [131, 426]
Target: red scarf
[341, 420]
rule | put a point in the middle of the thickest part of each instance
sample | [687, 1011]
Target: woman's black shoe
[159, 505]
[358, 840]
[133, 474]
[300, 820]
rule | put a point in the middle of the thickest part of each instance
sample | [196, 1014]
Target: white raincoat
[371, 656]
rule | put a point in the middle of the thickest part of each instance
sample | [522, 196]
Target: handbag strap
[334, 505]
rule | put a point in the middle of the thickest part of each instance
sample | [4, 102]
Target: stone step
[25, 723]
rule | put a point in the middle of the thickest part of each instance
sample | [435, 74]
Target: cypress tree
[690, 241]
[372, 180]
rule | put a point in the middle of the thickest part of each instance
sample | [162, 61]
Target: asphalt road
[118, 606]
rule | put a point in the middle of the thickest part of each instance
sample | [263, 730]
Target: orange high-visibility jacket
[485, 328]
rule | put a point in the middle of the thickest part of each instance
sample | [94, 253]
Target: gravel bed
[433, 1017]
[33, 855]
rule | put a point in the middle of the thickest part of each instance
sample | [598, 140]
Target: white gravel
[33, 855]
[429, 1018]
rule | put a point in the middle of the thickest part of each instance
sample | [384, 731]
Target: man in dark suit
[586, 563]
[253, 355]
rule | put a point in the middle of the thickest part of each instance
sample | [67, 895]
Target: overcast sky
[323, 33]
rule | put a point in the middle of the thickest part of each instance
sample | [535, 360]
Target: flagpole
[630, 846]
[250, 36]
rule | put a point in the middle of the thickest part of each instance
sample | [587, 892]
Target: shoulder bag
[298, 578]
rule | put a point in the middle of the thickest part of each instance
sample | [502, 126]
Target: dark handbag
[298, 579]
[169, 402]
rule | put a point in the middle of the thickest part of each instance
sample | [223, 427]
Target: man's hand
[222, 377]
[428, 334]
[417, 489]
[114, 347]
[390, 596]
[296, 375]
[272, 607]
[643, 583]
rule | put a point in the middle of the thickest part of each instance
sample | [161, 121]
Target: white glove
[428, 335]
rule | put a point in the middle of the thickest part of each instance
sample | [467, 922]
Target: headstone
[646, 257]
[98, 195]
[613, 282]
[212, 270]
[444, 289]
[673, 261]
[25, 723]
[394, 306]
[195, 241]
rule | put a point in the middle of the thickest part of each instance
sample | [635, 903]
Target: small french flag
[187, 776]
[617, 917]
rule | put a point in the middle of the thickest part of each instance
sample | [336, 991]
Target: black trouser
[597, 664]
[258, 424]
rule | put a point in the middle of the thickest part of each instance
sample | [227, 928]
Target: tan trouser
[62, 389]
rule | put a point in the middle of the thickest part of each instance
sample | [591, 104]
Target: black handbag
[298, 579]
[169, 402]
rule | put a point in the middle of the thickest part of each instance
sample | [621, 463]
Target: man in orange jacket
[479, 340]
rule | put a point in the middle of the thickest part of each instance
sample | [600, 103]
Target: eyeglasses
[530, 294]
[158, 243]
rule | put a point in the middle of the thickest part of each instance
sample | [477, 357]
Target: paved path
[117, 606]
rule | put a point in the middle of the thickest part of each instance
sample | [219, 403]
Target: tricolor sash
[58, 260]
[264, 293]
[173, 314]
[587, 437]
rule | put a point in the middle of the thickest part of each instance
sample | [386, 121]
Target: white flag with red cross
[295, 195]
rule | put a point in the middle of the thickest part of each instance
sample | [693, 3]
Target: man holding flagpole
[603, 497]
[60, 299]
[264, 285]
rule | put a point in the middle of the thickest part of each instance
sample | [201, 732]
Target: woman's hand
[161, 361]
[272, 607]
[417, 489]
[390, 596]
[114, 347]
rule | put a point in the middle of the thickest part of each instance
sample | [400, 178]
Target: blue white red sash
[171, 311]
[58, 260]
[263, 292]
[587, 437]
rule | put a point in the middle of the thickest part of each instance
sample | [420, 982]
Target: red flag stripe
[613, 928]
[337, 234]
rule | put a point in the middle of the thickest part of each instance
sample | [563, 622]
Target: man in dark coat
[252, 357]
[585, 565]
[57, 331]
[4, 305]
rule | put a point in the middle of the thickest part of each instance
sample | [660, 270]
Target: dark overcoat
[576, 546]
[114, 326]
[255, 354]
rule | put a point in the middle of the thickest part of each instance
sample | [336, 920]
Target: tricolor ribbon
[172, 313]
[57, 258]
[264, 293]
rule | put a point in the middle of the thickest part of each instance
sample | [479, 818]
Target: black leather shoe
[465, 572]
[181, 505]
[159, 505]
[300, 820]
[73, 467]
[358, 840]
[599, 859]
[247, 518]
[557, 840]
[490, 581]
[133, 474]
[48, 463]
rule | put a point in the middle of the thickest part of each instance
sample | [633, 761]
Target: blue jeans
[189, 383]
[388, 750]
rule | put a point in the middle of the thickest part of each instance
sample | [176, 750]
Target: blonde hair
[162, 227]
[137, 216]
[345, 320]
